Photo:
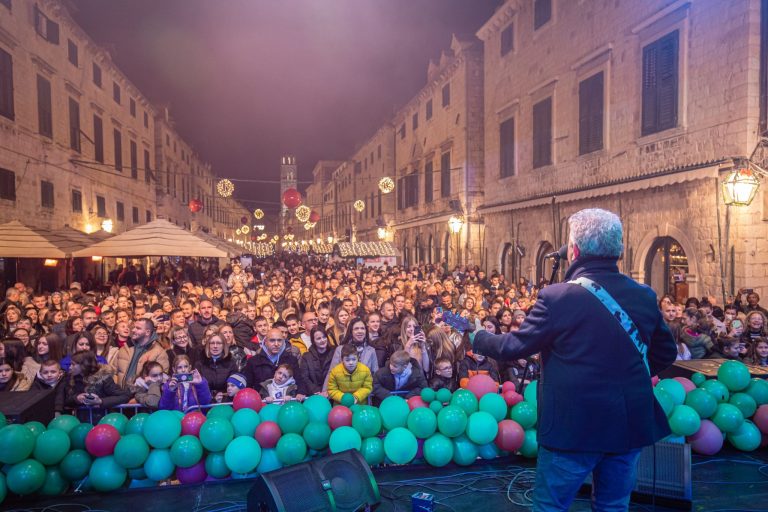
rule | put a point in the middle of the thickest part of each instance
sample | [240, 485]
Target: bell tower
[288, 179]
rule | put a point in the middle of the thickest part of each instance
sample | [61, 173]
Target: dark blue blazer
[594, 392]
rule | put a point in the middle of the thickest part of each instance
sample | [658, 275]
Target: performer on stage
[601, 336]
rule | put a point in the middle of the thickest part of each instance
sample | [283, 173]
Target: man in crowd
[131, 358]
[206, 319]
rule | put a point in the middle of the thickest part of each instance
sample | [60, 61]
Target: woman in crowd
[14, 351]
[10, 379]
[236, 352]
[439, 346]
[755, 327]
[339, 329]
[315, 363]
[47, 347]
[181, 344]
[92, 384]
[216, 365]
[104, 346]
[10, 318]
[56, 301]
[357, 335]
[122, 334]
[505, 318]
[180, 392]
[414, 342]
[83, 341]
[695, 325]
[759, 356]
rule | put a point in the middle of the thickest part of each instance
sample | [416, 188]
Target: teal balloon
[244, 422]
[75, 465]
[54, 484]
[179, 414]
[344, 438]
[317, 435]
[16, 444]
[400, 445]
[356, 407]
[318, 407]
[292, 418]
[422, 421]
[243, 454]
[3, 422]
[394, 412]
[746, 438]
[117, 420]
[291, 449]
[106, 474]
[26, 476]
[745, 403]
[734, 374]
[347, 399]
[443, 395]
[717, 389]
[51, 447]
[428, 394]
[438, 450]
[78, 434]
[466, 400]
[216, 434]
[3, 485]
[136, 424]
[489, 451]
[269, 412]
[698, 379]
[221, 411]
[138, 474]
[186, 451]
[372, 450]
[494, 405]
[269, 461]
[530, 448]
[452, 421]
[465, 452]
[161, 429]
[436, 406]
[131, 451]
[482, 428]
[674, 388]
[65, 422]
[530, 393]
[684, 421]
[159, 465]
[702, 401]
[35, 427]
[525, 414]
[665, 400]
[367, 421]
[758, 389]
[728, 418]
[216, 465]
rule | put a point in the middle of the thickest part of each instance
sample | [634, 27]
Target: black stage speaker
[33, 405]
[341, 482]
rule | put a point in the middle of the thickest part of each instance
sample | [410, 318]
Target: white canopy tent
[18, 240]
[232, 249]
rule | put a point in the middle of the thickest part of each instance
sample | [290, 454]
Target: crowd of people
[188, 336]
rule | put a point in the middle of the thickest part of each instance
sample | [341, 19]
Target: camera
[184, 377]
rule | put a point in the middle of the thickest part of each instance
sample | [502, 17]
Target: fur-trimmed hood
[103, 373]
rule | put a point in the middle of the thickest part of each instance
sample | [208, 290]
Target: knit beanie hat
[237, 379]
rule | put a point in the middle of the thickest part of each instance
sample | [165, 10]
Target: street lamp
[740, 187]
[456, 222]
[107, 225]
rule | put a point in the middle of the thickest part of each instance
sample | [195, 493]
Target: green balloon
[51, 446]
[159, 465]
[482, 428]
[243, 454]
[106, 474]
[674, 388]
[318, 407]
[356, 407]
[244, 422]
[394, 412]
[698, 379]
[443, 395]
[400, 445]
[216, 434]
[55, 484]
[291, 449]
[292, 418]
[495, 405]
[702, 402]
[78, 434]
[75, 465]
[137, 474]
[65, 422]
[684, 421]
[161, 429]
[665, 401]
[525, 414]
[367, 421]
[117, 420]
[186, 451]
[26, 476]
[745, 403]
[347, 400]
[436, 406]
[489, 451]
[758, 389]
[466, 400]
[717, 389]
[35, 427]
[422, 421]
[373, 450]
[438, 450]
[269, 412]
[317, 434]
[530, 446]
[734, 374]
[269, 461]
[216, 465]
[3, 422]
[452, 421]
[16, 444]
[221, 411]
[530, 393]
[136, 424]
[728, 418]
[465, 452]
[746, 438]
[3, 486]
[131, 451]
[428, 394]
[345, 438]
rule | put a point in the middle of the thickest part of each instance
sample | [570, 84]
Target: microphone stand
[555, 269]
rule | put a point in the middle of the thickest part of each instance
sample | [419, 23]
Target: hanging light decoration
[225, 188]
[302, 213]
[238, 232]
[740, 187]
[291, 198]
[258, 213]
[195, 205]
[359, 205]
[314, 217]
[309, 225]
[245, 230]
[386, 185]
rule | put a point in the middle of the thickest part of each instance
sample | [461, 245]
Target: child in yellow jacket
[350, 376]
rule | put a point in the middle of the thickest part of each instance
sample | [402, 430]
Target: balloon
[465, 452]
[728, 418]
[35, 427]
[106, 474]
[525, 414]
[26, 476]
[761, 418]
[75, 465]
[159, 465]
[718, 390]
[16, 444]
[415, 402]
[708, 440]
[422, 422]
[117, 420]
[372, 450]
[367, 421]
[436, 406]
[291, 198]
[216, 433]
[244, 422]
[190, 425]
[746, 438]
[161, 429]
[221, 411]
[291, 449]
[482, 384]
[345, 438]
[78, 434]
[698, 379]
[674, 388]
[3, 486]
[131, 451]
[482, 428]
[268, 434]
[316, 435]
[54, 484]
[684, 420]
[269, 461]
[292, 418]
[269, 412]
[758, 389]
[101, 440]
[444, 395]
[216, 465]
[466, 400]
[192, 475]
[394, 412]
[745, 403]
[136, 424]
[65, 422]
[530, 446]
[243, 454]
[508, 385]
[495, 405]
[247, 398]
[438, 450]
[512, 398]
[187, 451]
[531, 392]
[428, 395]
[688, 385]
[318, 407]
[655, 380]
[734, 374]
[702, 401]
[400, 445]
[511, 436]
[340, 416]
[51, 446]
[664, 399]
[347, 399]
[452, 421]
[138, 474]
[489, 451]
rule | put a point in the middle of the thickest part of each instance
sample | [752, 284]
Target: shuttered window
[134, 160]
[507, 42]
[77, 201]
[44, 109]
[445, 174]
[542, 133]
[542, 13]
[120, 211]
[6, 85]
[591, 104]
[101, 206]
[507, 148]
[46, 194]
[74, 125]
[147, 169]
[118, 150]
[45, 27]
[7, 185]
[660, 83]
[98, 139]
[428, 113]
[429, 186]
[135, 216]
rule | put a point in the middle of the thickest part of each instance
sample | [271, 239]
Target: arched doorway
[507, 261]
[543, 268]
[666, 268]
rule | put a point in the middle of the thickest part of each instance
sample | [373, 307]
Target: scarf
[274, 358]
[279, 391]
[402, 379]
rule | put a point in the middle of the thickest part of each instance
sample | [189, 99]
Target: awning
[365, 249]
[232, 250]
[18, 240]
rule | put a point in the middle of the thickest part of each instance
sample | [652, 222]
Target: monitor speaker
[33, 405]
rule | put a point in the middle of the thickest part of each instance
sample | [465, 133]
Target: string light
[225, 188]
[386, 185]
[303, 212]
[359, 205]
[245, 230]
[258, 213]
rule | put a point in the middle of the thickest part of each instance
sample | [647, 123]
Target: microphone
[558, 255]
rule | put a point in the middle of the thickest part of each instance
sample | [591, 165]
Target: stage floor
[733, 481]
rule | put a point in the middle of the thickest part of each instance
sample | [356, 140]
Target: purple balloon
[192, 475]
[708, 440]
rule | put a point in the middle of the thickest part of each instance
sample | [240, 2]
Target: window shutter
[74, 125]
[507, 146]
[445, 175]
[44, 112]
[660, 83]
[6, 85]
[591, 114]
[429, 185]
[542, 133]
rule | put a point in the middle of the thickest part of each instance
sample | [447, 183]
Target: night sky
[250, 80]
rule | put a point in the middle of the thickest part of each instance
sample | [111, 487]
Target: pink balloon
[761, 418]
[512, 398]
[101, 440]
[708, 440]
[247, 399]
[687, 384]
[508, 386]
[511, 436]
[340, 416]
[190, 425]
[482, 384]
[415, 402]
[192, 475]
[268, 434]
[655, 380]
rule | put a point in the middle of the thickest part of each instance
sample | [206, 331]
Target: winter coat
[147, 395]
[367, 357]
[288, 391]
[469, 367]
[58, 391]
[700, 345]
[242, 327]
[184, 397]
[438, 382]
[155, 352]
[259, 368]
[314, 368]
[359, 383]
[101, 384]
[21, 384]
[384, 383]
[198, 327]
[216, 372]
[238, 356]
